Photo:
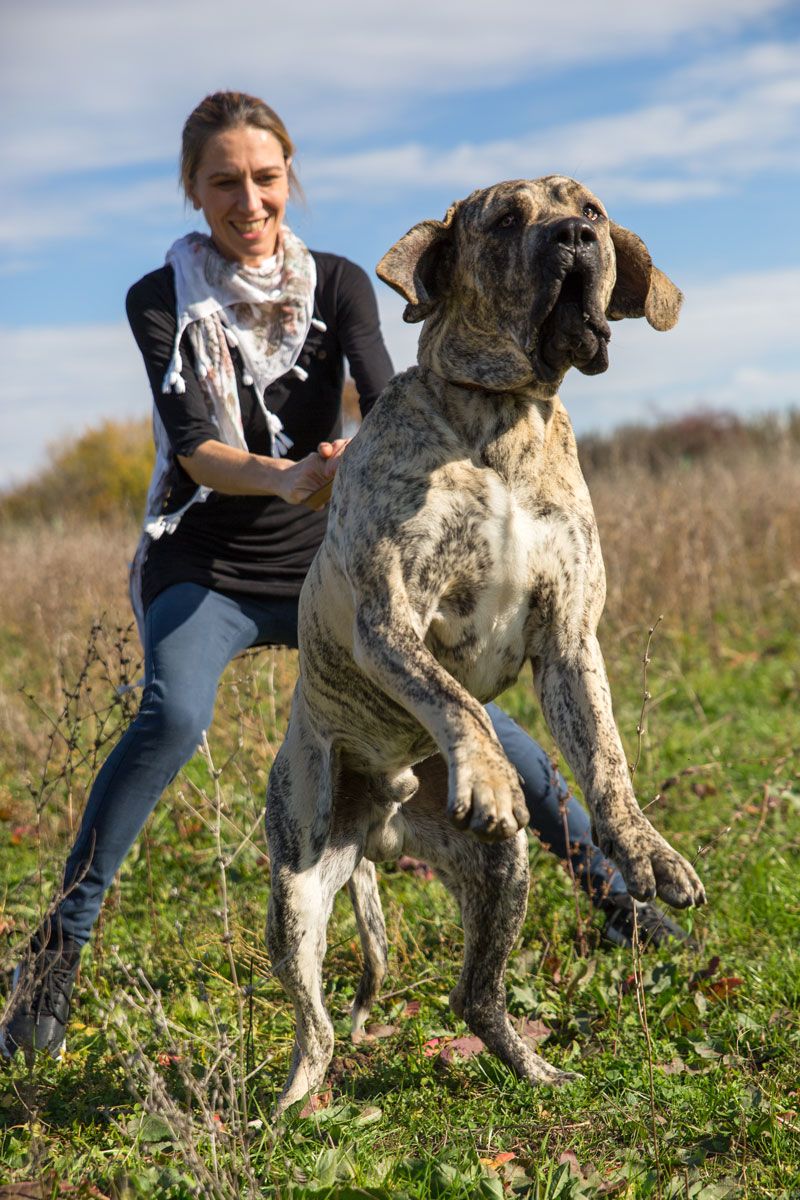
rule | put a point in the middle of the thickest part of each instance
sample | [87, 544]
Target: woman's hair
[227, 110]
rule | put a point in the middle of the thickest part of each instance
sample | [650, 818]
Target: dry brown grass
[712, 538]
[719, 537]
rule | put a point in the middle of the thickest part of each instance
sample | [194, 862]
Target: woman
[243, 334]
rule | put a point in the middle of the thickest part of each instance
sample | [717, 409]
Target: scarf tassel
[173, 380]
[281, 443]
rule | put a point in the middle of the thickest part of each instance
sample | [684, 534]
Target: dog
[461, 544]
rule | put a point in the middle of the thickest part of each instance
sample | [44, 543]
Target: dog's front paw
[650, 866]
[485, 796]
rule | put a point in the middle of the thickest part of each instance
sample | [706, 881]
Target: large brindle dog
[461, 544]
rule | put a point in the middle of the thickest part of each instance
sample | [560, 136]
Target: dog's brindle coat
[461, 543]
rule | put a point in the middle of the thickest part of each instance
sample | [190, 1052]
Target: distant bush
[687, 439]
[103, 474]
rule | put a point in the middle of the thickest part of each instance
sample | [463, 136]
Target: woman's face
[242, 185]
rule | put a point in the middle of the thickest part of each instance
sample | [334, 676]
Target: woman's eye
[591, 212]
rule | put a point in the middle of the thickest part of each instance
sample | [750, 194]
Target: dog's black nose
[573, 233]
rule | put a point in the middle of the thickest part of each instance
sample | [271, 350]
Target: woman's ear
[641, 289]
[418, 266]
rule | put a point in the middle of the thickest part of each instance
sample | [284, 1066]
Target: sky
[682, 117]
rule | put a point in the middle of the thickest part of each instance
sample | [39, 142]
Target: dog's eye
[507, 221]
[591, 212]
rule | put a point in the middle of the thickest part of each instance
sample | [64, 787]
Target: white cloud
[698, 144]
[732, 349]
[88, 211]
[94, 85]
[726, 122]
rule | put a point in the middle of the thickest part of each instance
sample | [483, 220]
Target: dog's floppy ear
[641, 289]
[417, 265]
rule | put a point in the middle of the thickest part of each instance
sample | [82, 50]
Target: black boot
[655, 927]
[39, 1005]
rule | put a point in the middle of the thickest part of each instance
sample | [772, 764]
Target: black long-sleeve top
[256, 545]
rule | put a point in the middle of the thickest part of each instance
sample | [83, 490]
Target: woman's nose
[249, 197]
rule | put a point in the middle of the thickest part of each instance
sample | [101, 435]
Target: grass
[690, 1060]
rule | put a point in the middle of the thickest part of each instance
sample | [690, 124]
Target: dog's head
[518, 282]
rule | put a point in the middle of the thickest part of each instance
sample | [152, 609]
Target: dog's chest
[513, 570]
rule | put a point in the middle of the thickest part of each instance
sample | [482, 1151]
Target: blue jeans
[190, 635]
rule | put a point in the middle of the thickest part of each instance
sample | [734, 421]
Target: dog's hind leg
[363, 889]
[493, 906]
[308, 869]
[299, 909]
[490, 882]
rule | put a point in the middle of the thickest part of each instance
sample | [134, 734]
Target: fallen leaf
[167, 1060]
[381, 1031]
[497, 1161]
[571, 1159]
[676, 1067]
[431, 1047]
[369, 1116]
[19, 834]
[707, 972]
[461, 1047]
[415, 866]
[412, 1008]
[373, 1032]
[531, 1030]
[552, 963]
[723, 987]
[316, 1102]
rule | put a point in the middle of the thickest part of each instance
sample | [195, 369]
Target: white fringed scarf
[266, 312]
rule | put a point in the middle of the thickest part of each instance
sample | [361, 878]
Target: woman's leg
[558, 819]
[191, 634]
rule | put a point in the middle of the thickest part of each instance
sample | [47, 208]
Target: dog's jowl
[461, 544]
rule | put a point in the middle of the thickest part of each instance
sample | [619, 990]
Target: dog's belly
[522, 588]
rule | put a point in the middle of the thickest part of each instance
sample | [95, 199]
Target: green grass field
[690, 1060]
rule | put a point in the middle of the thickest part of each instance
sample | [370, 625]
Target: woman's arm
[206, 460]
[235, 472]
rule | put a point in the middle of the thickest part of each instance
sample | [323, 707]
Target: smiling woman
[236, 165]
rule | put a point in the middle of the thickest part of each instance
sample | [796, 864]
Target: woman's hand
[235, 472]
[309, 481]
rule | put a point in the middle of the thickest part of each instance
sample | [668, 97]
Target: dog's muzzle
[570, 328]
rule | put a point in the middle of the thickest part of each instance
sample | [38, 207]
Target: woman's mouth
[250, 229]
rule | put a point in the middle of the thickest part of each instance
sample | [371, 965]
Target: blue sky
[682, 117]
